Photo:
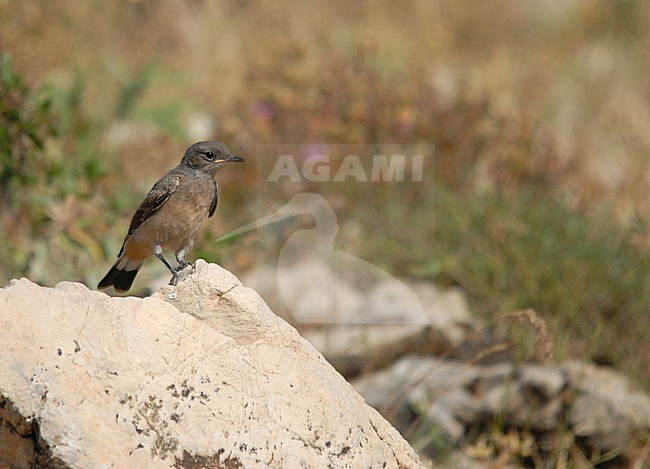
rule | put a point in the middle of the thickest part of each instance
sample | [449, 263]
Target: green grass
[528, 250]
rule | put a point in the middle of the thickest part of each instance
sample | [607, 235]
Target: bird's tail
[121, 275]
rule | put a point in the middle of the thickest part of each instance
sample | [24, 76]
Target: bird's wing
[215, 200]
[156, 198]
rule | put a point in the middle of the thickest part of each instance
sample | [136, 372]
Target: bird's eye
[209, 155]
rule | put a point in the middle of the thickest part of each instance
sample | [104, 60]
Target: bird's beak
[234, 159]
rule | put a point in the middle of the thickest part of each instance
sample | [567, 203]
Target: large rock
[199, 375]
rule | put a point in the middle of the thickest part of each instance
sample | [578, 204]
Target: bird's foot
[182, 267]
[181, 272]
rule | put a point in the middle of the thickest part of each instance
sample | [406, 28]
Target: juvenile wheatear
[171, 214]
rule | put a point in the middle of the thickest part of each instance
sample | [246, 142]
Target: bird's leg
[180, 272]
[157, 250]
[180, 257]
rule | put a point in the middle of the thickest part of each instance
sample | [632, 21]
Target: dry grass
[543, 349]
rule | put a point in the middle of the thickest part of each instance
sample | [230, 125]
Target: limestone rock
[198, 375]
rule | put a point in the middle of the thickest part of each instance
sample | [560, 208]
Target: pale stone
[202, 373]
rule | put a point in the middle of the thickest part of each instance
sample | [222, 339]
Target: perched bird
[171, 214]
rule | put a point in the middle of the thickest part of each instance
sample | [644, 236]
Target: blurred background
[539, 112]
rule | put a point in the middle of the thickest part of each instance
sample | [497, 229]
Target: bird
[171, 214]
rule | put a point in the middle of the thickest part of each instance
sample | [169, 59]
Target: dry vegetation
[539, 112]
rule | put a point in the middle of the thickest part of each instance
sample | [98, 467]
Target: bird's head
[209, 156]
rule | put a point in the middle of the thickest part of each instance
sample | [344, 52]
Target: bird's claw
[182, 267]
[180, 272]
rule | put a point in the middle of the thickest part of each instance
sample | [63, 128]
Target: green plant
[26, 121]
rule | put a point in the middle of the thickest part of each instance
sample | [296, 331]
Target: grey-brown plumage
[171, 214]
